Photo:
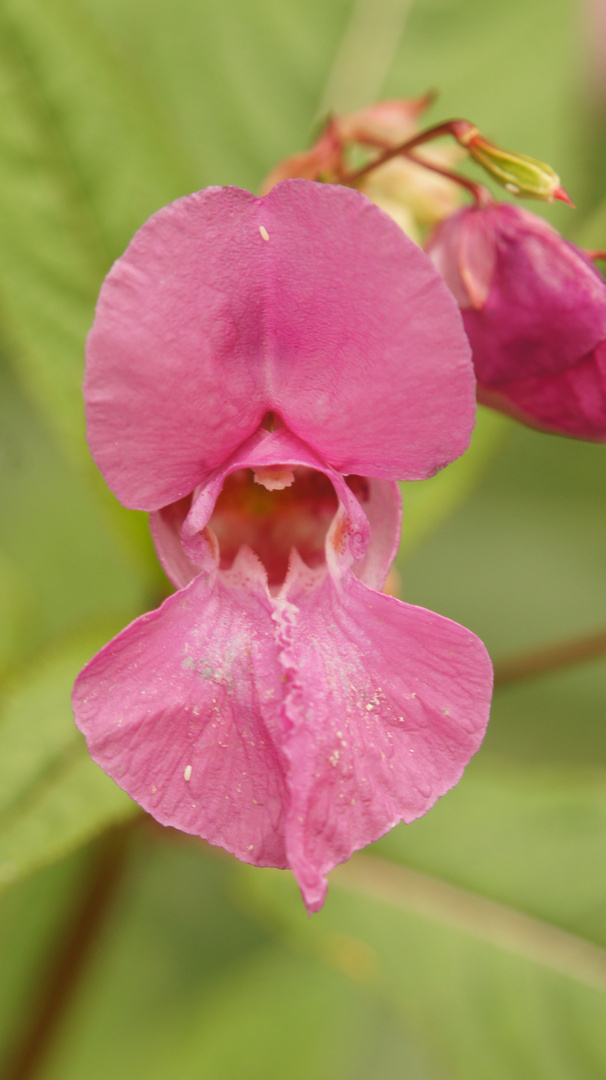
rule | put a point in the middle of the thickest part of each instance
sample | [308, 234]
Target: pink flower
[534, 309]
[259, 372]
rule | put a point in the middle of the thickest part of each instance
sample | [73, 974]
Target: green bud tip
[518, 173]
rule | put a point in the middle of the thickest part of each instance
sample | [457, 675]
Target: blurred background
[471, 944]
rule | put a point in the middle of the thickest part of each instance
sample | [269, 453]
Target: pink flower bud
[534, 309]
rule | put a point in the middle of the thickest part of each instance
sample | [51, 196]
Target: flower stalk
[521, 175]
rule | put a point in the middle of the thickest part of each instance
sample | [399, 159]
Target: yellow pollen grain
[187, 773]
[264, 232]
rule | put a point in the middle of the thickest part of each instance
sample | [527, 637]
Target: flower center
[274, 521]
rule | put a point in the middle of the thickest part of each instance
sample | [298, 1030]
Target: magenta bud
[534, 310]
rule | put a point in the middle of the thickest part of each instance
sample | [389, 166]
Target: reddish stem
[449, 127]
[480, 193]
[69, 962]
[551, 658]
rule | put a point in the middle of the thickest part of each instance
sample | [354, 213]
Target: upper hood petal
[336, 322]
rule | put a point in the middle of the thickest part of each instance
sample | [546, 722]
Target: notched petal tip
[313, 886]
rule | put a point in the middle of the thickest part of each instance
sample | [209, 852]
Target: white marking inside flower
[187, 773]
[274, 477]
[264, 232]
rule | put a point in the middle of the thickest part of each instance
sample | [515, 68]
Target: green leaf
[52, 797]
[483, 61]
[592, 233]
[496, 974]
[242, 82]
[294, 1018]
[16, 608]
[85, 158]
[427, 503]
[32, 920]
[522, 565]
[66, 562]
[191, 986]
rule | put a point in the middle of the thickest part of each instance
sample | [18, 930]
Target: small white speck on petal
[264, 232]
[187, 773]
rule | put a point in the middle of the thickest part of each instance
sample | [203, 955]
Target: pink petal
[194, 690]
[165, 526]
[337, 323]
[547, 305]
[294, 728]
[387, 704]
[371, 508]
[382, 505]
[568, 402]
[536, 321]
[464, 251]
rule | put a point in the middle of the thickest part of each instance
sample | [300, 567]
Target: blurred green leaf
[496, 974]
[52, 797]
[86, 157]
[523, 565]
[65, 562]
[482, 59]
[191, 986]
[506, 830]
[15, 605]
[592, 232]
[32, 919]
[427, 503]
[294, 1018]
[242, 82]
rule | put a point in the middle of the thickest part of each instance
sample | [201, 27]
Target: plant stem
[447, 128]
[68, 963]
[480, 193]
[551, 658]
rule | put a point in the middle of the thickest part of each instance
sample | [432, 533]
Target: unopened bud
[518, 173]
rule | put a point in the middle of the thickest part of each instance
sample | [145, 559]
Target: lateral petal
[387, 704]
[182, 710]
